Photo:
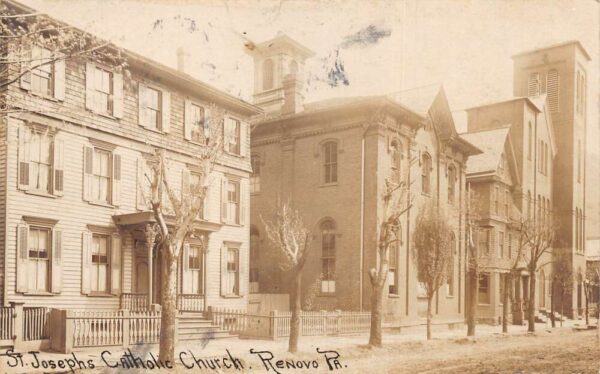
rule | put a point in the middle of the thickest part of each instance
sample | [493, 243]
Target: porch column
[150, 234]
[204, 243]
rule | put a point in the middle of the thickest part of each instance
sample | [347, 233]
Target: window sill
[449, 296]
[328, 184]
[39, 293]
[154, 130]
[393, 296]
[232, 224]
[231, 296]
[234, 154]
[43, 96]
[483, 304]
[104, 114]
[99, 203]
[100, 294]
[40, 193]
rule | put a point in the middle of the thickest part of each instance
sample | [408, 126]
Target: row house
[533, 165]
[74, 183]
[332, 159]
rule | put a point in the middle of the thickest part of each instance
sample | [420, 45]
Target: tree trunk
[531, 303]
[375, 336]
[552, 318]
[295, 304]
[429, 302]
[562, 306]
[507, 284]
[587, 305]
[168, 334]
[472, 316]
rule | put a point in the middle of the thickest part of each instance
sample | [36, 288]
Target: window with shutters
[102, 90]
[198, 122]
[330, 162]
[153, 108]
[255, 176]
[451, 183]
[40, 162]
[232, 136]
[233, 202]
[552, 88]
[254, 259]
[196, 268]
[533, 88]
[483, 295]
[328, 256]
[426, 167]
[42, 72]
[232, 278]
[100, 265]
[267, 74]
[396, 159]
[39, 243]
[102, 175]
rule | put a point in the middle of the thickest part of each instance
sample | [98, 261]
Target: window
[552, 88]
[426, 174]
[328, 257]
[541, 157]
[451, 183]
[267, 74]
[38, 272]
[101, 176]
[484, 241]
[393, 267]
[396, 158]
[101, 90]
[507, 204]
[255, 176]
[100, 265]
[496, 198]
[254, 259]
[533, 88]
[451, 280]
[509, 245]
[578, 161]
[232, 136]
[501, 244]
[198, 122]
[40, 162]
[483, 294]
[195, 187]
[233, 268]
[196, 268]
[233, 201]
[153, 108]
[330, 162]
[530, 140]
[42, 75]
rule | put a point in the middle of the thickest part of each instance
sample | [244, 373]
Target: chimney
[180, 60]
[292, 95]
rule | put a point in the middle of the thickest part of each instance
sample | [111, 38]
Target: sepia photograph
[299, 186]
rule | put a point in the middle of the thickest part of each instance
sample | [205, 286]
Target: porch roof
[145, 217]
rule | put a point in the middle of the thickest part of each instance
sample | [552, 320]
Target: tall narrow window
[579, 161]
[451, 183]
[451, 280]
[39, 248]
[552, 88]
[533, 88]
[42, 77]
[198, 122]
[100, 276]
[267, 74]
[102, 90]
[483, 296]
[529, 140]
[40, 164]
[255, 176]
[328, 256]
[233, 201]
[232, 136]
[484, 241]
[393, 268]
[507, 200]
[426, 173]
[529, 202]
[101, 176]
[196, 266]
[233, 269]
[396, 157]
[254, 259]
[153, 108]
[496, 198]
[500, 244]
[509, 245]
[330, 162]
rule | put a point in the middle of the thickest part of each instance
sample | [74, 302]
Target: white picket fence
[35, 323]
[277, 324]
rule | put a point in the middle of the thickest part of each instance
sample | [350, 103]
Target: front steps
[194, 327]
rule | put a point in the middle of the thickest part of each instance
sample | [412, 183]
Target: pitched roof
[491, 142]
[418, 99]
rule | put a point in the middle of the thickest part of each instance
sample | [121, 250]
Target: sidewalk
[225, 352]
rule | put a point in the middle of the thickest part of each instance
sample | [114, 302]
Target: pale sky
[465, 45]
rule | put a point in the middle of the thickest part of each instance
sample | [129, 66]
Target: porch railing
[134, 302]
[6, 325]
[190, 303]
[35, 323]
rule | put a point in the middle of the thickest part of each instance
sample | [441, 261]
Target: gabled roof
[418, 99]
[280, 43]
[491, 142]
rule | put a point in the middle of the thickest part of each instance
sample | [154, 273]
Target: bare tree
[562, 281]
[176, 222]
[288, 233]
[473, 209]
[432, 253]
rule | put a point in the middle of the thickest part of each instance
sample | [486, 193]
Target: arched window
[267, 74]
[328, 256]
[330, 162]
[533, 87]
[451, 279]
[396, 159]
[254, 259]
[552, 88]
[426, 173]
[451, 183]
[255, 176]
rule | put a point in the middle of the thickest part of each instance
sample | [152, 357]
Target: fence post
[69, 330]
[17, 324]
[274, 324]
[338, 322]
[125, 326]
[209, 313]
[324, 324]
